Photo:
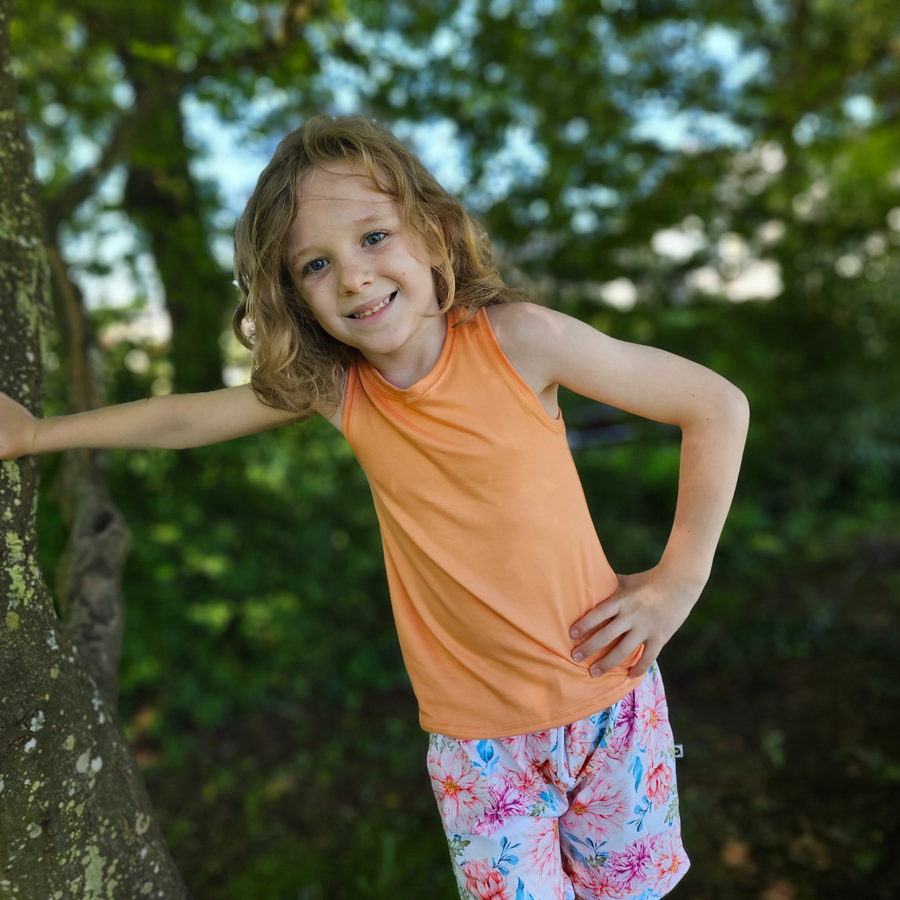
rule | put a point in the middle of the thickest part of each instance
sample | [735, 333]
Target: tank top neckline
[425, 384]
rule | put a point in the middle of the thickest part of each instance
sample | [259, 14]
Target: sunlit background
[720, 179]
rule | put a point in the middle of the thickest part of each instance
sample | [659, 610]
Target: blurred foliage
[758, 234]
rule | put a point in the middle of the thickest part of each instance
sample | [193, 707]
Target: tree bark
[75, 818]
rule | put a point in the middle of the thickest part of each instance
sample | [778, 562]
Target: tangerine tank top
[490, 551]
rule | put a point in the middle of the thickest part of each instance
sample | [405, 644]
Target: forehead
[340, 189]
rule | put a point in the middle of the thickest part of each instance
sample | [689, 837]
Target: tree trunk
[162, 197]
[75, 818]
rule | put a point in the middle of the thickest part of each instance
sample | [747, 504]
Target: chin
[385, 343]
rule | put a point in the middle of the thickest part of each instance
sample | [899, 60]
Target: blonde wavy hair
[297, 366]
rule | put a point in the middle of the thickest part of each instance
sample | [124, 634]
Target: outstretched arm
[175, 421]
[713, 415]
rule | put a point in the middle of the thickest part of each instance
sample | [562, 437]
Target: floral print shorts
[586, 810]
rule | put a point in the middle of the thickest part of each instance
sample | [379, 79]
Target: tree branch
[60, 206]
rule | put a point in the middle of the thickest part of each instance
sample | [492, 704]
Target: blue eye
[311, 267]
[375, 234]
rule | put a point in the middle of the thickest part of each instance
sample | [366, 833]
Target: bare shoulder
[527, 334]
[530, 328]
[520, 323]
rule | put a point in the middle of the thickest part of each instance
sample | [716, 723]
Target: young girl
[370, 297]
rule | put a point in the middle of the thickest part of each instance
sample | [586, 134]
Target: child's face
[347, 254]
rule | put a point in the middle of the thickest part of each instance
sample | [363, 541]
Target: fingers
[603, 638]
[648, 657]
[640, 669]
[599, 615]
[622, 651]
[616, 656]
[631, 616]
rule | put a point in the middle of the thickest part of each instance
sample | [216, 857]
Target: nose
[355, 275]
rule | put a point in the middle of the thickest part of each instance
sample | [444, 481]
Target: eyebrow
[365, 220]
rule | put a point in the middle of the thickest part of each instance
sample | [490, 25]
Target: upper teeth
[374, 309]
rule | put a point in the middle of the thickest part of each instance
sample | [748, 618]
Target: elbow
[735, 410]
[739, 404]
[726, 408]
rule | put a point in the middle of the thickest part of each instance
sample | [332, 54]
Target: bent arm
[713, 416]
[176, 421]
[711, 451]
[712, 413]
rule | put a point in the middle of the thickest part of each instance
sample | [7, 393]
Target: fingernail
[595, 672]
[577, 656]
[573, 632]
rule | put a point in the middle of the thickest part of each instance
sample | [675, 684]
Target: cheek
[315, 294]
[330, 326]
[322, 317]
[322, 312]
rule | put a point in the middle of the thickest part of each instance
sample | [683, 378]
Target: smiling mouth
[374, 309]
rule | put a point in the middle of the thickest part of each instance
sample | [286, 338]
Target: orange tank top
[490, 550]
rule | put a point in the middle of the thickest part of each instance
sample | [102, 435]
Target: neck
[418, 357]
